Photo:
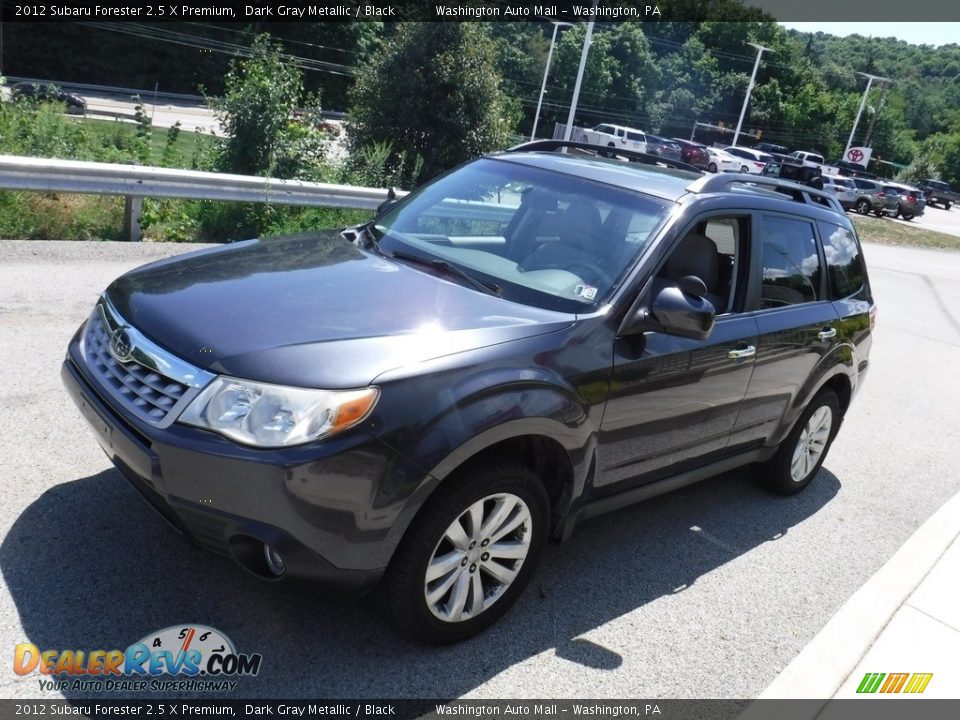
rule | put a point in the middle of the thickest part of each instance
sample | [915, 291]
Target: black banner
[249, 11]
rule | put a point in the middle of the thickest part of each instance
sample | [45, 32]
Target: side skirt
[610, 503]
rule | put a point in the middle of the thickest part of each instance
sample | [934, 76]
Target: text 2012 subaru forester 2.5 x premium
[530, 340]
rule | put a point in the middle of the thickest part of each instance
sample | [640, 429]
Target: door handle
[748, 351]
[827, 333]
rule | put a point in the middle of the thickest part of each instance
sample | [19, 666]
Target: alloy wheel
[811, 444]
[478, 557]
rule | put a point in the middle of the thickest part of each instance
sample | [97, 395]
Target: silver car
[843, 188]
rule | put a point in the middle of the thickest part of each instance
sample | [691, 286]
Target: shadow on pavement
[90, 566]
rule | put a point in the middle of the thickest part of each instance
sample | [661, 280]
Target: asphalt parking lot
[935, 217]
[706, 592]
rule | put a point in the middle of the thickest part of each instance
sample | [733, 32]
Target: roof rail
[647, 158]
[722, 181]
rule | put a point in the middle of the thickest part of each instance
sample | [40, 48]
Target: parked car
[771, 148]
[694, 153]
[47, 93]
[800, 172]
[617, 136]
[722, 161]
[938, 192]
[870, 197]
[751, 161]
[843, 188]
[421, 401]
[807, 156]
[910, 201]
[662, 147]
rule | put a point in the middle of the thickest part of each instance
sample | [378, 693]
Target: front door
[674, 401]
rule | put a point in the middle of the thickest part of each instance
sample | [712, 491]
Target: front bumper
[328, 508]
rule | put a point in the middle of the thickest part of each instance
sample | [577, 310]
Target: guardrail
[135, 182]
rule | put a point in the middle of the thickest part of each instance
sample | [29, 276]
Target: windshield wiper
[436, 263]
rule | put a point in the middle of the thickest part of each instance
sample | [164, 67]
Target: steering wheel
[571, 259]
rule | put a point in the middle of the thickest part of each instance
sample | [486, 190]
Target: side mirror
[389, 202]
[676, 309]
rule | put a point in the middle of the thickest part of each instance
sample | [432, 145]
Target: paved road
[707, 592]
[193, 117]
[936, 218]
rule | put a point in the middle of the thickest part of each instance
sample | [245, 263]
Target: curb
[824, 664]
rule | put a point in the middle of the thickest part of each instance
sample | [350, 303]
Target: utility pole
[863, 101]
[583, 64]
[546, 70]
[746, 101]
[883, 101]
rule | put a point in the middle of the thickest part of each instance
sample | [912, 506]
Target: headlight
[272, 416]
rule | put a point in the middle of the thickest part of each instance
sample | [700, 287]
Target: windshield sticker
[587, 292]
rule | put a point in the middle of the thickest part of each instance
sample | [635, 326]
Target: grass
[187, 146]
[886, 232]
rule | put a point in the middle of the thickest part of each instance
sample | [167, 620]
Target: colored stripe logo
[914, 683]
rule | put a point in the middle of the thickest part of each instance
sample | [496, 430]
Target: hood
[313, 311]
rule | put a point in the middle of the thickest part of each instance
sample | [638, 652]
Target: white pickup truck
[617, 136]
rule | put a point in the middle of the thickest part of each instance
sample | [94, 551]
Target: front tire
[800, 455]
[863, 206]
[469, 554]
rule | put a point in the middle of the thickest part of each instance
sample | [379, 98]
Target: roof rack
[722, 181]
[611, 152]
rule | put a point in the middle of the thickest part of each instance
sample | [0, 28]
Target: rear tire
[436, 591]
[800, 455]
[744, 169]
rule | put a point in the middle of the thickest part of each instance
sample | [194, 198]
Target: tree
[262, 93]
[433, 91]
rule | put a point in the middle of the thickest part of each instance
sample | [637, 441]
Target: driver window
[711, 251]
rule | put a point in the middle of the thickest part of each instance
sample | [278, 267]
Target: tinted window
[604, 129]
[636, 136]
[864, 184]
[791, 265]
[844, 261]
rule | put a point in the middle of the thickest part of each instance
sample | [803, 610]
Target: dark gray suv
[422, 402]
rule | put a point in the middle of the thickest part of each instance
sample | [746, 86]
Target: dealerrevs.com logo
[203, 658]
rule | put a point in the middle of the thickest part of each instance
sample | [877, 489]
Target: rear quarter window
[845, 269]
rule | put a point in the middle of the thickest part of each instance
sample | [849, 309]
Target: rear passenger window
[844, 261]
[791, 264]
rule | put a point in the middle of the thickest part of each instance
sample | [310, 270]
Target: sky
[917, 33]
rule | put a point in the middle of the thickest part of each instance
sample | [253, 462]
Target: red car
[693, 153]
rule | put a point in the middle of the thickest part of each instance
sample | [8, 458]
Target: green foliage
[144, 131]
[434, 91]
[56, 216]
[377, 165]
[257, 108]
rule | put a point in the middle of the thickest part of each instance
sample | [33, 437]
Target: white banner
[859, 155]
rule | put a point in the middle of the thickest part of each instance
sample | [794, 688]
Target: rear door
[796, 322]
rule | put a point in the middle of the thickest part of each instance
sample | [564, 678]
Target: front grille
[139, 379]
[148, 394]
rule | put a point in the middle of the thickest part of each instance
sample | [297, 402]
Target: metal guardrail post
[132, 210]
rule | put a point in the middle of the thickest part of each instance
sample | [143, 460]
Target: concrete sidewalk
[905, 619]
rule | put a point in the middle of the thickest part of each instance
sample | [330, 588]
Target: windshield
[543, 238]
